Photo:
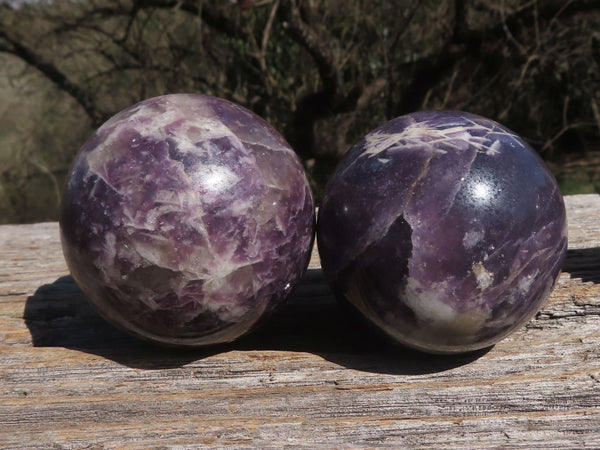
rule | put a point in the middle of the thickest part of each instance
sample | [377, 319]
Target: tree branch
[548, 9]
[269, 82]
[209, 14]
[52, 73]
[317, 46]
[428, 71]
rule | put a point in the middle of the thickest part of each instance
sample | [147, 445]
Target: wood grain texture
[314, 376]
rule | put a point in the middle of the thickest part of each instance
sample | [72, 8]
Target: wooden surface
[314, 376]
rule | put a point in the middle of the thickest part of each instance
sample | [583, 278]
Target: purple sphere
[186, 219]
[444, 229]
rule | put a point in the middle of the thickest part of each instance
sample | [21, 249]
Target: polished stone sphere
[186, 219]
[444, 229]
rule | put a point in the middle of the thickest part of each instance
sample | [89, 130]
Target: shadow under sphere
[311, 320]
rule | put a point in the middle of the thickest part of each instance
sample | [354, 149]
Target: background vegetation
[324, 72]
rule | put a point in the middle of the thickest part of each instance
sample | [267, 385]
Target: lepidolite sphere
[186, 219]
[444, 229]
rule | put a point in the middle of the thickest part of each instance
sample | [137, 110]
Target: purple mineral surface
[186, 219]
[444, 229]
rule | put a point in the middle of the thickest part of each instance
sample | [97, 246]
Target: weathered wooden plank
[314, 376]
